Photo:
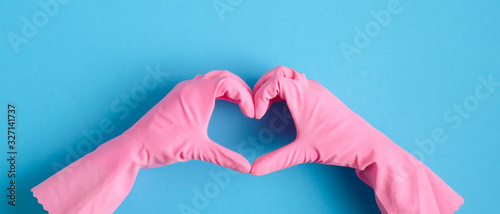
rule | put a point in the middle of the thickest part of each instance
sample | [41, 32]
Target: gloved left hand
[328, 132]
[174, 130]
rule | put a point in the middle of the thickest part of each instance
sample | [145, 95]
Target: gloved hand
[174, 130]
[328, 132]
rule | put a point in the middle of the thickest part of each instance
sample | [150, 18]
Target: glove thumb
[284, 157]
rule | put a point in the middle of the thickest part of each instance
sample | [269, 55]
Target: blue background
[430, 56]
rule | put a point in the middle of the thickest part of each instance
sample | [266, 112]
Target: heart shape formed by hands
[327, 130]
[175, 130]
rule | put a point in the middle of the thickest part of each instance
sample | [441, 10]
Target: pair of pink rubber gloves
[175, 130]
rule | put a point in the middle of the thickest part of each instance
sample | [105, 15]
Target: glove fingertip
[246, 168]
[248, 108]
[240, 165]
[262, 166]
[261, 107]
[257, 172]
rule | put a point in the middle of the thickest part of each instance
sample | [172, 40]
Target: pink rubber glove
[328, 132]
[175, 130]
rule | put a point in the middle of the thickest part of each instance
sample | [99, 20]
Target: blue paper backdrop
[407, 67]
